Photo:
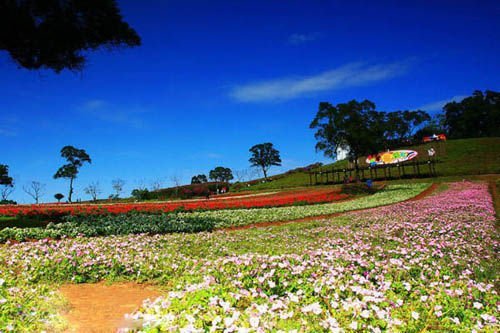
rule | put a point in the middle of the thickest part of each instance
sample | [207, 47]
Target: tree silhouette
[53, 34]
[199, 179]
[264, 155]
[221, 174]
[58, 196]
[35, 190]
[76, 158]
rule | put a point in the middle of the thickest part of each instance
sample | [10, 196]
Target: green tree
[264, 155]
[54, 34]
[6, 182]
[199, 179]
[5, 179]
[221, 174]
[75, 158]
[475, 116]
[353, 125]
[58, 196]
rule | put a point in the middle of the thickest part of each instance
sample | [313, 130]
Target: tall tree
[75, 158]
[54, 34]
[199, 179]
[264, 155]
[475, 116]
[221, 174]
[5, 179]
[35, 190]
[93, 189]
[6, 182]
[353, 125]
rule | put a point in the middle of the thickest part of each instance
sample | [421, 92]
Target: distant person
[431, 152]
[207, 196]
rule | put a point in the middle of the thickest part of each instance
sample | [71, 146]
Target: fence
[409, 169]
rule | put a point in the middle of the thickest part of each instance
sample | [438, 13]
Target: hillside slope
[458, 157]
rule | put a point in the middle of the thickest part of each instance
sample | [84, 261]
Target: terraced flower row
[423, 265]
[276, 199]
[411, 267]
[105, 225]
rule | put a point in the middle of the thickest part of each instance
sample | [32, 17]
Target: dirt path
[428, 191]
[100, 308]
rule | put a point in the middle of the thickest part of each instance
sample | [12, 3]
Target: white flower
[354, 325]
[455, 320]
[365, 314]
[477, 305]
[415, 315]
[314, 308]
[424, 298]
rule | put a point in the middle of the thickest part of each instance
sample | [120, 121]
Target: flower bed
[428, 265]
[286, 198]
[122, 224]
[410, 267]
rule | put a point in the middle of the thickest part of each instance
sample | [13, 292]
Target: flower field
[287, 198]
[427, 265]
[140, 222]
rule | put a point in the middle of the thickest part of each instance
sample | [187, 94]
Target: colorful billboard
[391, 157]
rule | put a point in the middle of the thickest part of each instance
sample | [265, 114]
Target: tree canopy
[475, 116]
[5, 179]
[75, 158]
[358, 127]
[264, 155]
[53, 34]
[221, 174]
[199, 179]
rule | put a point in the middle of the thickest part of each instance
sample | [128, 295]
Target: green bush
[106, 225]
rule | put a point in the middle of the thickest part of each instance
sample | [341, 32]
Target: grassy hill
[458, 157]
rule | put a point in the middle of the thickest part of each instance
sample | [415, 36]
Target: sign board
[391, 157]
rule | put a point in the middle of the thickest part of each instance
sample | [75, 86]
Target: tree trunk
[265, 173]
[70, 189]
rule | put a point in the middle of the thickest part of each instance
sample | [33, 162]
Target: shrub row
[106, 225]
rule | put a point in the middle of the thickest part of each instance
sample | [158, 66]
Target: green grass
[464, 157]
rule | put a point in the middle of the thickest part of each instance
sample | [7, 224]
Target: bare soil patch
[100, 308]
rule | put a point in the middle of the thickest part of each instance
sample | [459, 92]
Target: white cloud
[349, 75]
[296, 39]
[438, 105]
[114, 114]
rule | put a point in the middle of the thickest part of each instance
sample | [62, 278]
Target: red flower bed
[265, 200]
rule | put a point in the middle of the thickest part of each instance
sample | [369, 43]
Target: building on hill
[341, 153]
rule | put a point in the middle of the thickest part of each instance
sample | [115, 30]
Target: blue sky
[213, 78]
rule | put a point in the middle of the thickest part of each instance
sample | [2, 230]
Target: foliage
[5, 179]
[238, 217]
[264, 155]
[475, 116]
[199, 179]
[358, 127]
[141, 194]
[456, 158]
[381, 270]
[286, 198]
[58, 196]
[75, 158]
[53, 34]
[358, 188]
[105, 225]
[221, 174]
